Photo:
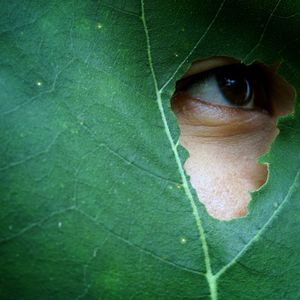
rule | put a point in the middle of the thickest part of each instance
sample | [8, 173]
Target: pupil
[234, 85]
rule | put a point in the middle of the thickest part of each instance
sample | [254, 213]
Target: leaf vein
[291, 190]
[137, 166]
[129, 243]
[195, 46]
[264, 30]
[209, 276]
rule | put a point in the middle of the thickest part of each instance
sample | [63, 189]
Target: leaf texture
[95, 203]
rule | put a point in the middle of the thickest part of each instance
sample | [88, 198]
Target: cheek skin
[223, 145]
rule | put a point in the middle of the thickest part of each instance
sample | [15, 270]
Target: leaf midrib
[209, 276]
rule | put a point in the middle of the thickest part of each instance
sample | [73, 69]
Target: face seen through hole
[227, 115]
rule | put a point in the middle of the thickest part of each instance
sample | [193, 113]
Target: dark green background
[92, 203]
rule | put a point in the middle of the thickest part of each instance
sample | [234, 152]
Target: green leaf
[94, 200]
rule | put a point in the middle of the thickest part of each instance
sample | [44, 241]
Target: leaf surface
[95, 203]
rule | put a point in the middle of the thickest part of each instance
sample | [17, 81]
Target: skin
[224, 142]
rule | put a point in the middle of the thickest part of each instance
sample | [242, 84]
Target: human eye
[220, 92]
[236, 86]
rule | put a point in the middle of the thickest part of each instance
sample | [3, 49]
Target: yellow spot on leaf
[99, 26]
[183, 240]
[179, 186]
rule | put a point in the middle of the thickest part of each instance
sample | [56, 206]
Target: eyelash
[253, 78]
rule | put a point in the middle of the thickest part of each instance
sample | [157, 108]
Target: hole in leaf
[227, 114]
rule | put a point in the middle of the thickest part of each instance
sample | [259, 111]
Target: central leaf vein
[210, 278]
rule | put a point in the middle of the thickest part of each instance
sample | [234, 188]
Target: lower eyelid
[181, 99]
[195, 112]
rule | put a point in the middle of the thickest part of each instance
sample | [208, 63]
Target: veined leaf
[95, 203]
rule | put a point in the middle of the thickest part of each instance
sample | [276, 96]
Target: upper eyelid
[202, 65]
[251, 70]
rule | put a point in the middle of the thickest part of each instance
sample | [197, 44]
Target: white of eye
[223, 92]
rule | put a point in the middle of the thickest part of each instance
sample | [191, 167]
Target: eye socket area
[224, 139]
[216, 116]
[222, 90]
